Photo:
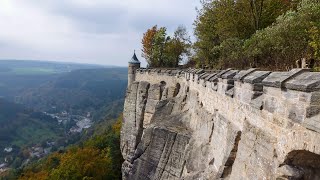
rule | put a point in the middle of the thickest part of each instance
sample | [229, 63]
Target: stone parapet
[293, 94]
[226, 124]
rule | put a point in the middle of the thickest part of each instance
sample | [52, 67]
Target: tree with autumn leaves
[161, 50]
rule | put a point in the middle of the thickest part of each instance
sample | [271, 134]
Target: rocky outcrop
[229, 124]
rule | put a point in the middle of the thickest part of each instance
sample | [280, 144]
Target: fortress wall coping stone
[296, 79]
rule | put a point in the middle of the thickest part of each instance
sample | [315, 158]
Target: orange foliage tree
[147, 44]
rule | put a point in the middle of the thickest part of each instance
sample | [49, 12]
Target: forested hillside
[21, 128]
[78, 92]
[98, 157]
[19, 75]
[45, 107]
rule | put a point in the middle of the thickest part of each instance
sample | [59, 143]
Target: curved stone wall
[230, 124]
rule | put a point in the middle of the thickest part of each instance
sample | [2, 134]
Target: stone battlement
[199, 124]
[294, 94]
[296, 79]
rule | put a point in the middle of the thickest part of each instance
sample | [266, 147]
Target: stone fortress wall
[230, 124]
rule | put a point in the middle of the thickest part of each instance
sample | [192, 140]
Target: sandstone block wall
[230, 124]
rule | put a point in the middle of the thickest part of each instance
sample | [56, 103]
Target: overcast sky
[85, 31]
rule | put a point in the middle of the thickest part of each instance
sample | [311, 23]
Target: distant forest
[79, 92]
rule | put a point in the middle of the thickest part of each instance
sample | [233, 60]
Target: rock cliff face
[230, 124]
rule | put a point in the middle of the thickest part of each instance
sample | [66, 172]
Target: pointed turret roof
[134, 59]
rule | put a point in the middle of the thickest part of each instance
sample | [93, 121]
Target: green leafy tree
[160, 41]
[160, 50]
[205, 47]
[292, 37]
[315, 39]
[231, 54]
[153, 45]
[228, 20]
[178, 47]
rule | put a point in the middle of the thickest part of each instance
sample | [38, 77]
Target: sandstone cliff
[229, 124]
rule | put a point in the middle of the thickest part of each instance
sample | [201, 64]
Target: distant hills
[40, 102]
[79, 92]
[42, 67]
[17, 75]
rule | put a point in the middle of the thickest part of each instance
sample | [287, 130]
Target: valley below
[46, 107]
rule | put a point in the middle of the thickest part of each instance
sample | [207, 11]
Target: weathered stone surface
[315, 99]
[223, 72]
[257, 102]
[242, 74]
[204, 75]
[161, 156]
[230, 74]
[312, 111]
[308, 82]
[256, 77]
[230, 92]
[287, 171]
[132, 126]
[154, 95]
[210, 76]
[277, 79]
[234, 127]
[199, 71]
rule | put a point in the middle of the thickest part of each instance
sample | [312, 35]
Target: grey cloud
[103, 19]
[105, 34]
[141, 22]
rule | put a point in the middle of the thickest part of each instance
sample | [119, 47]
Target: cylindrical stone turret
[134, 64]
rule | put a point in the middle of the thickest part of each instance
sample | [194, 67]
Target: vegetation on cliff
[96, 158]
[268, 34]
